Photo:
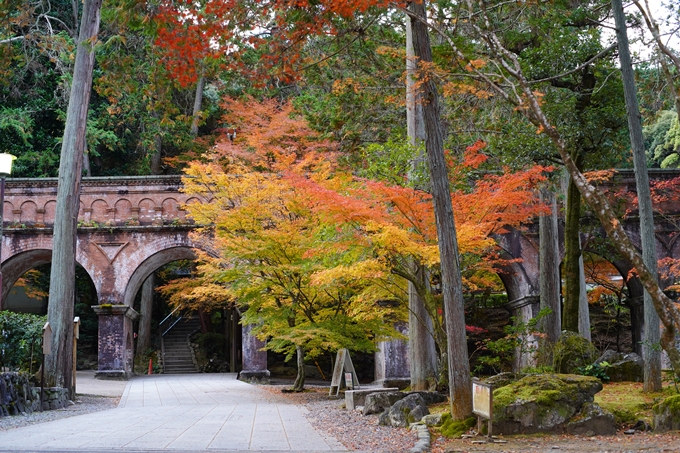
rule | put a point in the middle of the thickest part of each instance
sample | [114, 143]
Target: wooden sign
[482, 400]
[76, 327]
[343, 364]
[47, 339]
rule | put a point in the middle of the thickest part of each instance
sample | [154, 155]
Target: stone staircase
[177, 354]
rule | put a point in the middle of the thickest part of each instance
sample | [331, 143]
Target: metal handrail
[163, 332]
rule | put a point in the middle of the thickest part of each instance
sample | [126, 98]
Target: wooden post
[76, 336]
[46, 350]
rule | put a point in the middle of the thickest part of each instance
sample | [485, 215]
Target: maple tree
[281, 207]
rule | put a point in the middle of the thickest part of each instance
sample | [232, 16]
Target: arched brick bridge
[131, 226]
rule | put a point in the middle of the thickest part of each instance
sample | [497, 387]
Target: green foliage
[212, 343]
[518, 340]
[21, 340]
[392, 163]
[598, 370]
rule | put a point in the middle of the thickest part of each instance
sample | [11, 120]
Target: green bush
[20, 340]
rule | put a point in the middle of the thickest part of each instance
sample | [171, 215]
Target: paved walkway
[178, 413]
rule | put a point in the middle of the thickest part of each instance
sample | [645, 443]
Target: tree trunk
[422, 349]
[549, 261]
[299, 384]
[87, 170]
[146, 309]
[651, 355]
[572, 254]
[583, 307]
[58, 365]
[460, 384]
[198, 105]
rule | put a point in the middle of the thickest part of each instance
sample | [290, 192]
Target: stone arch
[100, 211]
[146, 210]
[143, 260]
[8, 212]
[20, 263]
[122, 211]
[152, 263]
[50, 209]
[29, 213]
[171, 208]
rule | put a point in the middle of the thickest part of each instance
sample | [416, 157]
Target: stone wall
[18, 395]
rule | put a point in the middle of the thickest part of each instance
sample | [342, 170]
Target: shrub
[21, 340]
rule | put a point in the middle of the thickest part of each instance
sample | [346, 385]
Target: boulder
[541, 403]
[592, 421]
[622, 367]
[410, 409]
[431, 397]
[667, 414]
[572, 352]
[432, 419]
[502, 379]
[379, 401]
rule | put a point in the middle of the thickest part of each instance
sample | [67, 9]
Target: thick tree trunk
[572, 254]
[422, 350]
[58, 365]
[198, 105]
[299, 384]
[651, 356]
[460, 384]
[146, 308]
[549, 259]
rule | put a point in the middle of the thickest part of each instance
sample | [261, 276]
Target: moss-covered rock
[455, 428]
[667, 414]
[541, 403]
[572, 352]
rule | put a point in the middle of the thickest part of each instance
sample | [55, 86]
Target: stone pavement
[178, 413]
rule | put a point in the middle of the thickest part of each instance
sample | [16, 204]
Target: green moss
[572, 352]
[106, 306]
[451, 428]
[544, 389]
[672, 403]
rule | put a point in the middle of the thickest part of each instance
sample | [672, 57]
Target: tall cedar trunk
[422, 349]
[549, 261]
[583, 308]
[58, 365]
[651, 356]
[146, 308]
[198, 105]
[572, 253]
[460, 384]
[299, 384]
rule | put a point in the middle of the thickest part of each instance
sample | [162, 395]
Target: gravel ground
[84, 404]
[354, 430]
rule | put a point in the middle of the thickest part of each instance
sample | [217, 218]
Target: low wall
[17, 396]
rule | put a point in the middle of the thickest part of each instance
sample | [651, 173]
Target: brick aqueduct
[131, 226]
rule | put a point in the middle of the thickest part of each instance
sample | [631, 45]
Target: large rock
[431, 397]
[379, 401]
[410, 409]
[592, 421]
[667, 414]
[572, 352]
[622, 367]
[541, 403]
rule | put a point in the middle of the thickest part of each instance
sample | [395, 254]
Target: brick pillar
[254, 360]
[392, 363]
[116, 352]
